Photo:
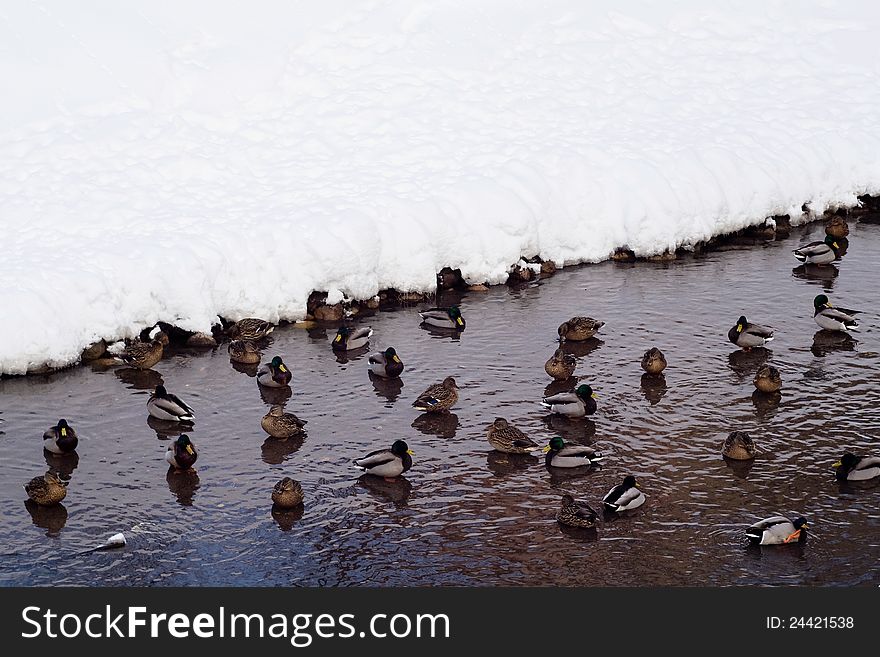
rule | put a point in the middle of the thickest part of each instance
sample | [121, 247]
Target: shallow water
[465, 514]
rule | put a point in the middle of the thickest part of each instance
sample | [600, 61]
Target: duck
[46, 490]
[181, 454]
[739, 446]
[388, 463]
[653, 361]
[243, 351]
[508, 439]
[833, 319]
[250, 328]
[287, 493]
[274, 374]
[561, 365]
[279, 424]
[579, 403]
[624, 497]
[576, 514]
[777, 530]
[164, 406]
[768, 379]
[450, 318]
[60, 439]
[438, 397]
[349, 339]
[851, 467]
[561, 455]
[386, 364]
[143, 355]
[578, 329]
[747, 336]
[818, 253]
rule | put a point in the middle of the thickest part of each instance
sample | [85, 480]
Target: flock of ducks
[245, 348]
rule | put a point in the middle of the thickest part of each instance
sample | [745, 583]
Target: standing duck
[579, 328]
[833, 319]
[579, 403]
[818, 253]
[576, 514]
[164, 406]
[739, 446]
[279, 424]
[60, 439]
[561, 365]
[243, 351]
[386, 364]
[653, 362]
[438, 397]
[181, 454]
[287, 494]
[857, 468]
[777, 530]
[274, 374]
[561, 455]
[349, 339]
[748, 336]
[388, 463]
[250, 329]
[47, 490]
[768, 379]
[624, 497]
[508, 439]
[143, 355]
[449, 318]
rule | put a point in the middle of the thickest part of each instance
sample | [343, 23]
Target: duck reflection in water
[51, 518]
[745, 363]
[61, 465]
[443, 424]
[826, 342]
[184, 484]
[287, 518]
[765, 403]
[248, 369]
[579, 431]
[566, 385]
[740, 468]
[389, 388]
[395, 490]
[276, 451]
[653, 387]
[502, 464]
[139, 379]
[821, 274]
[275, 396]
[166, 429]
[583, 347]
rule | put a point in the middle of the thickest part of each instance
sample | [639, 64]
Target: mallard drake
[386, 364]
[60, 439]
[739, 446]
[450, 318]
[279, 424]
[572, 404]
[508, 439]
[768, 379]
[818, 253]
[653, 362]
[181, 454]
[857, 468]
[243, 351]
[349, 339]
[250, 329]
[274, 374]
[164, 406]
[579, 328]
[388, 463]
[143, 355]
[576, 514]
[561, 455]
[747, 335]
[46, 490]
[561, 365]
[777, 530]
[438, 397]
[833, 319]
[624, 497]
[287, 494]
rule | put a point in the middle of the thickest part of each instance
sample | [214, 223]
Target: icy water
[465, 514]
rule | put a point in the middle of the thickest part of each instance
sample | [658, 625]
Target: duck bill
[546, 449]
[837, 465]
[410, 452]
[395, 359]
[189, 450]
[594, 395]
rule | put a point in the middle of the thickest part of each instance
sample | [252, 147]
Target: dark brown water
[464, 514]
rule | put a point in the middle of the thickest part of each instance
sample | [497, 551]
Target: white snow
[180, 161]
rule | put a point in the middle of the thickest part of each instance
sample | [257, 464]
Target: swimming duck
[181, 454]
[60, 439]
[561, 365]
[449, 318]
[279, 424]
[349, 339]
[653, 362]
[287, 494]
[164, 406]
[579, 328]
[768, 379]
[739, 446]
[747, 335]
[46, 490]
[143, 355]
[438, 397]
[388, 463]
[386, 364]
[243, 351]
[777, 530]
[857, 468]
[573, 404]
[833, 319]
[576, 514]
[250, 329]
[560, 455]
[274, 374]
[818, 253]
[508, 439]
[624, 497]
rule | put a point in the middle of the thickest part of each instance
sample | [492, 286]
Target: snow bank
[180, 161]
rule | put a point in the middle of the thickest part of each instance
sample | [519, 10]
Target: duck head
[399, 448]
